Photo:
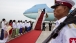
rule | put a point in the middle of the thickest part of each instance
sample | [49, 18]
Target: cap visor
[54, 6]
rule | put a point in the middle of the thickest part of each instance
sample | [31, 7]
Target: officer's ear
[66, 9]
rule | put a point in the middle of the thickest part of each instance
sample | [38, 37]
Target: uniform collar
[60, 20]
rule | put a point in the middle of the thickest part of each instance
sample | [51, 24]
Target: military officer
[50, 25]
[43, 27]
[68, 32]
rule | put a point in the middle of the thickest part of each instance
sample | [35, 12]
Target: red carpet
[29, 37]
[39, 22]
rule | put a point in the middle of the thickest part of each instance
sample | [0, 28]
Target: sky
[14, 9]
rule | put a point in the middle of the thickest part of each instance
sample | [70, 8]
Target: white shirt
[28, 25]
[65, 34]
[21, 24]
[25, 23]
[14, 25]
[3, 24]
[18, 25]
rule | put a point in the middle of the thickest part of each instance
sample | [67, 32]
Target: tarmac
[44, 34]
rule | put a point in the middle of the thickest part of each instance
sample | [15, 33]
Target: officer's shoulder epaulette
[73, 25]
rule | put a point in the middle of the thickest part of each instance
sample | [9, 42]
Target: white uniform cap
[68, 3]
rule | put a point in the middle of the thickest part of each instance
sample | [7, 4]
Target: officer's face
[59, 12]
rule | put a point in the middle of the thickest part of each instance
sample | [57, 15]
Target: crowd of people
[14, 28]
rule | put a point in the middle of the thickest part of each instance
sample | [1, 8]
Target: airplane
[33, 12]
